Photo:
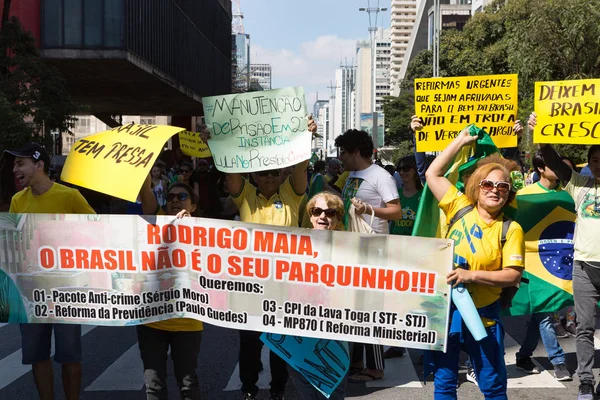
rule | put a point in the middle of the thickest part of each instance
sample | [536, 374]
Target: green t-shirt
[410, 205]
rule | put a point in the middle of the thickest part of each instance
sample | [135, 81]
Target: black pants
[250, 349]
[185, 346]
[374, 355]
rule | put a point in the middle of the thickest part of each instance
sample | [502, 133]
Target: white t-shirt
[373, 185]
[587, 241]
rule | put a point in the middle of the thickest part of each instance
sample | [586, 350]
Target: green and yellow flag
[547, 218]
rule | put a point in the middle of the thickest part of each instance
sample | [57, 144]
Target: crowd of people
[353, 193]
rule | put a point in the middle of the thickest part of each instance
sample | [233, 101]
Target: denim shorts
[37, 338]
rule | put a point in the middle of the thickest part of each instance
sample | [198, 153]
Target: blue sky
[305, 41]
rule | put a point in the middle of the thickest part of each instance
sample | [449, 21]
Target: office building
[403, 16]
[260, 76]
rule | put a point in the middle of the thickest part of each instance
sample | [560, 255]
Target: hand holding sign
[258, 131]
[116, 162]
[568, 112]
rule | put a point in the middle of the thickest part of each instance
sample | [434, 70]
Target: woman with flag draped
[483, 263]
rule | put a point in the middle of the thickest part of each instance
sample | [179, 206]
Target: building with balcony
[403, 16]
[261, 74]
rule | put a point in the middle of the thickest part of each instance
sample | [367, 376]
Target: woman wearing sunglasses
[326, 211]
[182, 335]
[482, 263]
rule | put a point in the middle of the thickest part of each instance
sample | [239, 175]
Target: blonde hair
[334, 202]
[482, 171]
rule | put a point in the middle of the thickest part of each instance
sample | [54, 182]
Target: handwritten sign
[191, 145]
[568, 112]
[116, 162]
[447, 105]
[126, 270]
[259, 130]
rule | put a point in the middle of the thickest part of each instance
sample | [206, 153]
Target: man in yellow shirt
[270, 202]
[42, 195]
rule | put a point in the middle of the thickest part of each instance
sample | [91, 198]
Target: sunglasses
[179, 196]
[273, 172]
[184, 171]
[405, 168]
[487, 185]
[329, 213]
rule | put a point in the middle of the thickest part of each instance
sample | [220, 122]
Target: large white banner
[128, 270]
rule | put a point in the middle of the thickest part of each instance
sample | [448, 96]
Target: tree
[540, 40]
[33, 97]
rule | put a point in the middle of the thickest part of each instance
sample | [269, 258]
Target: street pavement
[113, 369]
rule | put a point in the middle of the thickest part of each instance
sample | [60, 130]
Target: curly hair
[353, 140]
[334, 202]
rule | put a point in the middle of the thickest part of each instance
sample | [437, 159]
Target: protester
[540, 324]
[326, 212]
[482, 263]
[586, 264]
[273, 201]
[159, 185]
[369, 188]
[334, 169]
[42, 195]
[209, 204]
[182, 335]
[410, 196]
[186, 170]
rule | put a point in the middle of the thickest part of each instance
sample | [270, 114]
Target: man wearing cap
[42, 195]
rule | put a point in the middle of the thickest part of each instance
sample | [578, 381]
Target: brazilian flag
[547, 218]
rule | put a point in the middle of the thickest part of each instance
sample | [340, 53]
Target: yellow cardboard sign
[117, 161]
[447, 105]
[568, 112]
[192, 145]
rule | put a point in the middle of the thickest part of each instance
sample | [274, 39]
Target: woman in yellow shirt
[482, 263]
[182, 335]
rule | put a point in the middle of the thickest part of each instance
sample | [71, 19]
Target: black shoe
[471, 377]
[393, 352]
[249, 396]
[277, 396]
[586, 391]
[526, 365]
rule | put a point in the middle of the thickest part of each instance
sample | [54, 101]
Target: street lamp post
[372, 31]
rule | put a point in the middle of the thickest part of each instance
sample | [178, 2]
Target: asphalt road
[113, 371]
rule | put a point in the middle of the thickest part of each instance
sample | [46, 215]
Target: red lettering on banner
[153, 234]
[65, 257]
[282, 243]
[250, 267]
[47, 257]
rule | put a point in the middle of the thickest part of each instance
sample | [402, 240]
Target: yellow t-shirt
[282, 209]
[477, 245]
[176, 324]
[59, 199]
[587, 242]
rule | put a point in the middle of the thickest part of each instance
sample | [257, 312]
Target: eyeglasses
[487, 185]
[184, 171]
[179, 196]
[273, 172]
[329, 213]
[405, 168]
